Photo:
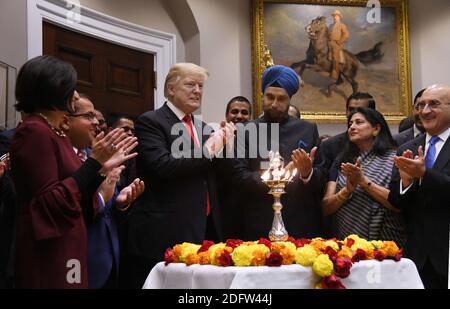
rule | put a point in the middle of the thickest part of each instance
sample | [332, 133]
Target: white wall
[148, 13]
[225, 51]
[13, 32]
[430, 43]
[13, 52]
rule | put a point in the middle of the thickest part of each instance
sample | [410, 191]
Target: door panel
[119, 80]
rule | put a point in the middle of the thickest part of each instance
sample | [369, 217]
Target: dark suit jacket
[5, 140]
[301, 209]
[330, 149]
[426, 208]
[172, 209]
[404, 136]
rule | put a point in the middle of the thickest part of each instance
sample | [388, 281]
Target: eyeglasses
[420, 106]
[89, 116]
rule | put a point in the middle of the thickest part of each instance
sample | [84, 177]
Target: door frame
[73, 16]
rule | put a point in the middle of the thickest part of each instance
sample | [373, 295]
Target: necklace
[58, 132]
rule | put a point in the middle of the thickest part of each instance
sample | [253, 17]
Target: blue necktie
[431, 152]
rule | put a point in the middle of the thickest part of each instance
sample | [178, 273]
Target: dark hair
[113, 119]
[383, 141]
[82, 96]
[418, 95]
[45, 83]
[362, 96]
[239, 99]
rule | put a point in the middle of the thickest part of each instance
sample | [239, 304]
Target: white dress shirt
[439, 144]
[180, 114]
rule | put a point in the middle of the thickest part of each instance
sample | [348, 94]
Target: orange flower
[203, 258]
[177, 253]
[345, 252]
[192, 258]
[288, 256]
[391, 248]
[259, 258]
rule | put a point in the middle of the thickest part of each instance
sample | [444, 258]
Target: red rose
[274, 259]
[350, 242]
[342, 267]
[264, 241]
[331, 282]
[379, 255]
[332, 254]
[225, 259]
[205, 246]
[301, 242]
[233, 243]
[168, 256]
[399, 255]
[291, 239]
[359, 255]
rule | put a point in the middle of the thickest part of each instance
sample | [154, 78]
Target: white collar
[416, 131]
[178, 112]
[443, 136]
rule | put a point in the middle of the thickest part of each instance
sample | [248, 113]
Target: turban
[281, 76]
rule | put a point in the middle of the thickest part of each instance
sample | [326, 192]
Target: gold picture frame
[278, 36]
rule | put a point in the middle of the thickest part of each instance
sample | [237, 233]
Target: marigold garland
[330, 259]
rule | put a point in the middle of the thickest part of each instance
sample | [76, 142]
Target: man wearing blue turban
[282, 76]
[295, 139]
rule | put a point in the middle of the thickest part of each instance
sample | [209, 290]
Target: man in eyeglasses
[103, 239]
[83, 122]
[420, 188]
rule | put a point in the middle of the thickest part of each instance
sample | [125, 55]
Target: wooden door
[119, 80]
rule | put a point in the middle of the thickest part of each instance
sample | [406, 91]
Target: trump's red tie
[187, 120]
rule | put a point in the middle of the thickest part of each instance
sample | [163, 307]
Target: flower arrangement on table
[330, 259]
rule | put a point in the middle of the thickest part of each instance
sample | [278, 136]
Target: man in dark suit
[421, 188]
[417, 128]
[301, 214]
[103, 240]
[238, 110]
[175, 161]
[332, 146]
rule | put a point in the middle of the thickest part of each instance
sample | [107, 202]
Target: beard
[275, 115]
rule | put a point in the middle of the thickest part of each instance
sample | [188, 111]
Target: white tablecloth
[363, 275]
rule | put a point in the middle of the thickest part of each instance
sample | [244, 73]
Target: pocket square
[302, 145]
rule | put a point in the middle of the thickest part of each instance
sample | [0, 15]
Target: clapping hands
[129, 194]
[410, 167]
[220, 138]
[303, 161]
